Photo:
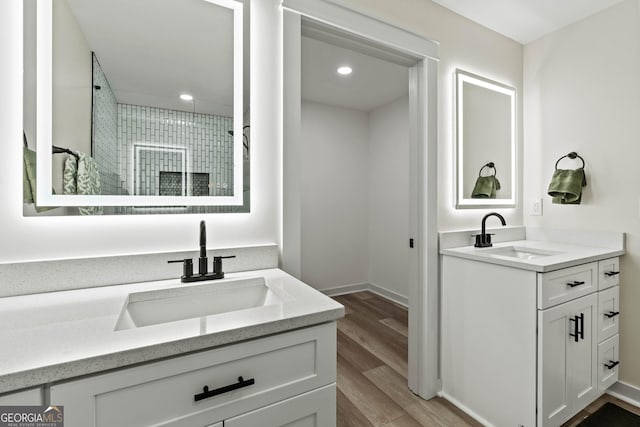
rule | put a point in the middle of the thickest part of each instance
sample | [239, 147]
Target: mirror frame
[44, 124]
[461, 202]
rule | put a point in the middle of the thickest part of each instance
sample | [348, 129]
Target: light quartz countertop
[55, 336]
[563, 254]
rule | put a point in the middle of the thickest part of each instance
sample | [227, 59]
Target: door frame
[424, 346]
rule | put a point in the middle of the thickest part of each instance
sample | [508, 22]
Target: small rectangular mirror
[109, 80]
[485, 122]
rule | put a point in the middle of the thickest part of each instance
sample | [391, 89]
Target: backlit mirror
[485, 142]
[147, 95]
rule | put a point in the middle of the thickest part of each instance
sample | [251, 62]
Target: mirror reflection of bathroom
[355, 161]
[485, 114]
[153, 110]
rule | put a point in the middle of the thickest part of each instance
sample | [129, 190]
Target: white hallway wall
[582, 93]
[388, 208]
[334, 206]
[355, 196]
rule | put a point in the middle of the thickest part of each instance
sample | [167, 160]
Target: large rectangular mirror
[145, 94]
[485, 142]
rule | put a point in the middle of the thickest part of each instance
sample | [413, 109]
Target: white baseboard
[464, 409]
[359, 287]
[625, 392]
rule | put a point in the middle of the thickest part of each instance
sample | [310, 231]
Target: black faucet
[483, 240]
[203, 274]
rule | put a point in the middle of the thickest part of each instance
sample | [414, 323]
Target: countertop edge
[96, 365]
[532, 267]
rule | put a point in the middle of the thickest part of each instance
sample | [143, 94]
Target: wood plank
[376, 406]
[376, 343]
[396, 325]
[348, 415]
[360, 306]
[356, 354]
[404, 421]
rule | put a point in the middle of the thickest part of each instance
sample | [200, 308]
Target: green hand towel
[485, 187]
[29, 180]
[566, 186]
[81, 177]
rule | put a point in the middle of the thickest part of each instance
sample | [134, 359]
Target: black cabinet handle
[611, 364]
[611, 273]
[611, 314]
[579, 328]
[206, 393]
[575, 283]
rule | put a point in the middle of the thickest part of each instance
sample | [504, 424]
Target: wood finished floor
[372, 372]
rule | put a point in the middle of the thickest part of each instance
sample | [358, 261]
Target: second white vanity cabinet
[526, 348]
[265, 379]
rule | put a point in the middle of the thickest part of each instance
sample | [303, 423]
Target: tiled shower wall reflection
[105, 122]
[209, 147]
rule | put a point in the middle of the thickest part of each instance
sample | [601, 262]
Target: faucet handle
[187, 267]
[217, 263]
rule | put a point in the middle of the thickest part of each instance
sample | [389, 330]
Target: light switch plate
[535, 209]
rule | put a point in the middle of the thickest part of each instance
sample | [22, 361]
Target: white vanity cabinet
[31, 396]
[255, 379]
[525, 348]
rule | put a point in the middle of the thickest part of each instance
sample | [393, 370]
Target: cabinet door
[567, 359]
[313, 409]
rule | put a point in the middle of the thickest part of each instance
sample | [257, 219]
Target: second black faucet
[483, 240]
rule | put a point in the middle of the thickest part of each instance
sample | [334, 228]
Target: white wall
[72, 87]
[469, 46]
[334, 193]
[60, 237]
[388, 186]
[355, 196]
[582, 93]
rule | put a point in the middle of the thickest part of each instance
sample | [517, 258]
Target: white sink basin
[192, 301]
[519, 252]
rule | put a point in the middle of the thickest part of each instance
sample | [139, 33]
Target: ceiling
[526, 20]
[373, 83]
[186, 47]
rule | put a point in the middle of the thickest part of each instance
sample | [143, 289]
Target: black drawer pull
[612, 314]
[611, 273]
[611, 364]
[206, 393]
[579, 328]
[575, 283]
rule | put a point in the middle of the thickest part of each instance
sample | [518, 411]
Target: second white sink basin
[520, 252]
[187, 302]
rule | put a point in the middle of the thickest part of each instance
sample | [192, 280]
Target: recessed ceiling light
[186, 97]
[345, 70]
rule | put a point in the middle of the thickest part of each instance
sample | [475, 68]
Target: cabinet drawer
[608, 312]
[31, 396]
[163, 393]
[608, 363]
[564, 285]
[608, 273]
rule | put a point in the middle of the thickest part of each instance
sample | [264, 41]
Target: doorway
[336, 25]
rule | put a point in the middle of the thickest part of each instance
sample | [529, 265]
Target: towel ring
[571, 155]
[488, 165]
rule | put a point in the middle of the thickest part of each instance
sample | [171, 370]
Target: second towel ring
[488, 165]
[571, 155]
